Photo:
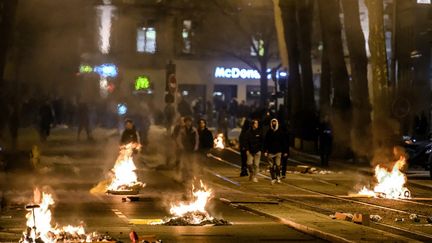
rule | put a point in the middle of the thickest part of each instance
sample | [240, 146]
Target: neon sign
[85, 69]
[106, 70]
[242, 73]
[142, 82]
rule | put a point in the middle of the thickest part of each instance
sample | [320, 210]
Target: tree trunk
[404, 45]
[358, 60]
[304, 25]
[341, 114]
[325, 84]
[263, 85]
[288, 8]
[7, 17]
[382, 127]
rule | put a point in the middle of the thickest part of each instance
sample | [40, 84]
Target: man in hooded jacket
[254, 146]
[275, 146]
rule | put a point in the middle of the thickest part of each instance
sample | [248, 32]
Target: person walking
[205, 136]
[275, 147]
[254, 146]
[46, 117]
[243, 147]
[325, 140]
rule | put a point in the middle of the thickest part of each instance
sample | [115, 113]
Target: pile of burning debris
[124, 180]
[391, 184]
[39, 228]
[194, 212]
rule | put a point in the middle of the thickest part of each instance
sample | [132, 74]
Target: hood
[276, 127]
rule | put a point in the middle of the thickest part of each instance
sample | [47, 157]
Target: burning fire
[192, 212]
[39, 222]
[125, 178]
[219, 141]
[390, 183]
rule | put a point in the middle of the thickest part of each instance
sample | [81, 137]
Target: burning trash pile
[194, 212]
[124, 180]
[40, 229]
[219, 141]
[390, 183]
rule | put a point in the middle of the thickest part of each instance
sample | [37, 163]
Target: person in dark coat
[275, 146]
[190, 142]
[205, 136]
[130, 134]
[46, 117]
[326, 140]
[83, 120]
[254, 146]
[243, 148]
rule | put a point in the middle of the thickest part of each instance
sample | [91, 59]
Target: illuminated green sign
[85, 69]
[142, 82]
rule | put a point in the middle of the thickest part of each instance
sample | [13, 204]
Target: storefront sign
[242, 73]
[222, 72]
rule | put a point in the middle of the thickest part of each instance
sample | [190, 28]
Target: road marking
[119, 214]
[145, 221]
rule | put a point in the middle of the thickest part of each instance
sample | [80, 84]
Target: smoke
[105, 13]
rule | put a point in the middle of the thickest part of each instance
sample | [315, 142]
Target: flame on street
[39, 224]
[219, 141]
[192, 212]
[124, 177]
[390, 183]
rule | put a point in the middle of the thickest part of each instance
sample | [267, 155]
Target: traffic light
[170, 71]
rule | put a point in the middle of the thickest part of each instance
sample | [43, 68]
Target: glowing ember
[390, 183]
[125, 178]
[219, 141]
[39, 226]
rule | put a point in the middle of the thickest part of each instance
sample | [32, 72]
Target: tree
[341, 112]
[382, 126]
[359, 62]
[7, 15]
[249, 25]
[297, 16]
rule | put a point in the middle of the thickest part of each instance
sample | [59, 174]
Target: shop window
[187, 36]
[146, 40]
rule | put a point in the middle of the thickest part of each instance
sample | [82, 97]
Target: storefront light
[106, 70]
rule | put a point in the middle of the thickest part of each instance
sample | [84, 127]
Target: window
[187, 36]
[146, 40]
[424, 1]
[259, 45]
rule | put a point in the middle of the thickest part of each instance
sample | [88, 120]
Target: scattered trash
[361, 219]
[414, 217]
[343, 216]
[399, 220]
[375, 218]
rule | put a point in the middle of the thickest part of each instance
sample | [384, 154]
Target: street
[299, 209]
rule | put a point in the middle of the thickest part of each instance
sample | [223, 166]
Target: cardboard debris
[362, 219]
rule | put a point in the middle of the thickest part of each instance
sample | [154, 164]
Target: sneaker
[273, 182]
[283, 177]
[255, 179]
[279, 181]
[243, 174]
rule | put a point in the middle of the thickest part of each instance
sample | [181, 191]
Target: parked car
[419, 152]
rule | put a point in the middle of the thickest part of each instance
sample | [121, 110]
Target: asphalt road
[69, 169]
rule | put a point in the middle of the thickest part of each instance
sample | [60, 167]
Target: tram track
[414, 234]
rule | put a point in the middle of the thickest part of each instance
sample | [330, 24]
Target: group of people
[273, 144]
